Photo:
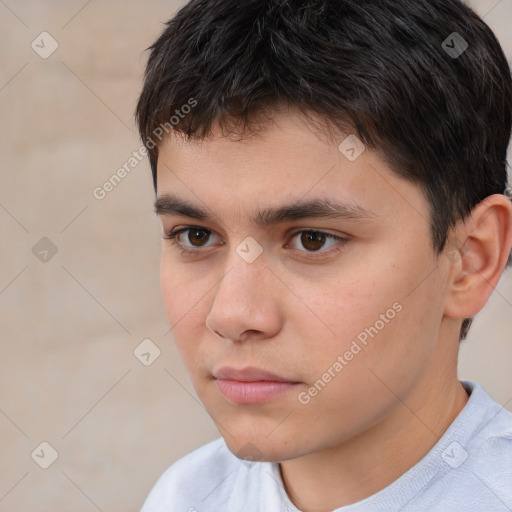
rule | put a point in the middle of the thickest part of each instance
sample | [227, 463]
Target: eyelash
[173, 235]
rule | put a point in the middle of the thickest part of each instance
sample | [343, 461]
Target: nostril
[219, 334]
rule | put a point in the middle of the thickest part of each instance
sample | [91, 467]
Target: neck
[362, 466]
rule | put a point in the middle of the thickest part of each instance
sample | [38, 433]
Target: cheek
[384, 307]
[398, 328]
[181, 289]
[381, 356]
[184, 302]
[172, 297]
[347, 305]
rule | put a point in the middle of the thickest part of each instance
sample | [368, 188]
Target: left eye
[196, 237]
[313, 241]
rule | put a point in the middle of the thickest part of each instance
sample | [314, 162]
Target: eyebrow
[316, 208]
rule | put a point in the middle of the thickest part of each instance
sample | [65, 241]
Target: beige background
[69, 325]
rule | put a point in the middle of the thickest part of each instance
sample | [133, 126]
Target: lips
[251, 386]
[248, 374]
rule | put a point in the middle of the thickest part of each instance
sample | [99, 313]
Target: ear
[478, 250]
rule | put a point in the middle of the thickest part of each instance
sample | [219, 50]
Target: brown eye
[313, 240]
[197, 236]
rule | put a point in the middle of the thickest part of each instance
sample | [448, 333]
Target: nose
[247, 302]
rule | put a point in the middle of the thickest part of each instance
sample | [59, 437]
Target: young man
[331, 180]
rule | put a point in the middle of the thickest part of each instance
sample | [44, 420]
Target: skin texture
[293, 314]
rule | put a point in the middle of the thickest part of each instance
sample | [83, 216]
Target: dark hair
[381, 69]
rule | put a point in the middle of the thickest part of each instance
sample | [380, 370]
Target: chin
[261, 448]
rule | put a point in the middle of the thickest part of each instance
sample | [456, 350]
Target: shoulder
[486, 460]
[492, 454]
[491, 422]
[469, 468]
[190, 478]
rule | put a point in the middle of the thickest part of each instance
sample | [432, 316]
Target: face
[340, 302]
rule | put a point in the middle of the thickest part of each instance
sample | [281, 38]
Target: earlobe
[478, 251]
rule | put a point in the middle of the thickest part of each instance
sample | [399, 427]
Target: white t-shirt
[469, 469]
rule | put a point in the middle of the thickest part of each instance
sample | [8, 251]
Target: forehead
[284, 164]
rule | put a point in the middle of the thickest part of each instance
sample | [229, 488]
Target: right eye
[194, 235]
